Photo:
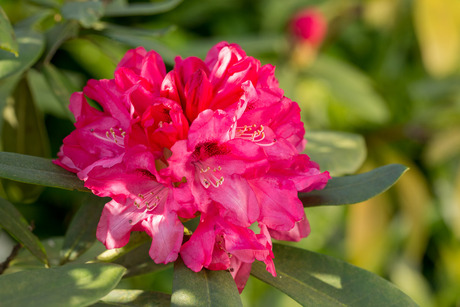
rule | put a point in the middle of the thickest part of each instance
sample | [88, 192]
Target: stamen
[149, 201]
[253, 134]
[112, 136]
[209, 175]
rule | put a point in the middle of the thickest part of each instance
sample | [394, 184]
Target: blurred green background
[387, 69]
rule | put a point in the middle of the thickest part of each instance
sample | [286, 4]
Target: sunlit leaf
[68, 285]
[356, 188]
[81, 233]
[122, 8]
[137, 238]
[205, 288]
[90, 57]
[23, 132]
[7, 39]
[85, 12]
[339, 153]
[135, 298]
[37, 170]
[31, 46]
[13, 222]
[314, 279]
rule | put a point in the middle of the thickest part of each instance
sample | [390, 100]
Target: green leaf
[57, 35]
[205, 288]
[314, 279]
[135, 298]
[148, 42]
[6, 88]
[138, 261]
[339, 153]
[23, 132]
[61, 87]
[31, 46]
[356, 188]
[13, 222]
[81, 233]
[7, 38]
[118, 8]
[68, 285]
[350, 89]
[44, 95]
[137, 238]
[87, 13]
[90, 57]
[37, 170]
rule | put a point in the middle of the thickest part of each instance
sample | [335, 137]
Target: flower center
[117, 137]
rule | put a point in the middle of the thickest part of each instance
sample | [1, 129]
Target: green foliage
[15, 224]
[69, 285]
[7, 39]
[356, 188]
[80, 234]
[339, 153]
[36, 170]
[205, 288]
[134, 298]
[388, 70]
[313, 279]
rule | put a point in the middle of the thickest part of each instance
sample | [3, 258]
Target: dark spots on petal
[210, 149]
[146, 173]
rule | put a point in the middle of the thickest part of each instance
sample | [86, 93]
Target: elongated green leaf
[37, 170]
[314, 279]
[57, 35]
[121, 8]
[13, 222]
[350, 89]
[356, 188]
[44, 95]
[135, 298]
[138, 262]
[6, 88]
[69, 285]
[90, 57]
[7, 39]
[148, 43]
[31, 46]
[81, 233]
[339, 153]
[85, 12]
[23, 132]
[205, 288]
[61, 87]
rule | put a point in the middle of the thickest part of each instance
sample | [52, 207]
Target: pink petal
[114, 226]
[280, 207]
[300, 230]
[167, 232]
[240, 272]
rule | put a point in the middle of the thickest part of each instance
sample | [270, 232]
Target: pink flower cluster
[214, 139]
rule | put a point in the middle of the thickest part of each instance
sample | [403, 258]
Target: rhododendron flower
[214, 140]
